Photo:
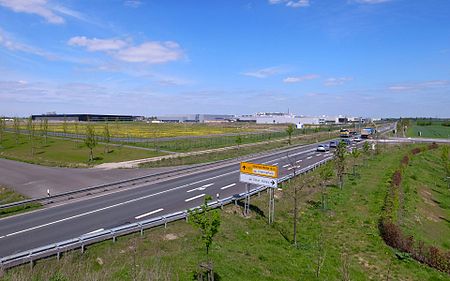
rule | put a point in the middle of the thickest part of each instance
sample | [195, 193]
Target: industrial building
[85, 117]
[195, 118]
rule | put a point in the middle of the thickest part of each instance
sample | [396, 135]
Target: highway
[56, 223]
[53, 224]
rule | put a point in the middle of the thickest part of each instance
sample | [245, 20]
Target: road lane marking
[149, 213]
[227, 186]
[318, 154]
[195, 197]
[299, 161]
[309, 157]
[95, 231]
[114, 205]
[275, 164]
[203, 187]
[285, 165]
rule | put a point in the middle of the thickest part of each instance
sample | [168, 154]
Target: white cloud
[334, 81]
[38, 7]
[412, 87]
[264, 72]
[97, 44]
[151, 52]
[291, 3]
[132, 3]
[12, 45]
[297, 79]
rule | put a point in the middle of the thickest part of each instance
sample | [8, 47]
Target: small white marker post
[48, 192]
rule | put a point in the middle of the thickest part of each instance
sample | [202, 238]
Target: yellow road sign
[259, 169]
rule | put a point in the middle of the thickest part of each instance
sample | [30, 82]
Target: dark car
[333, 144]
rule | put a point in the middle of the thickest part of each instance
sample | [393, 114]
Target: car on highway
[333, 144]
[346, 141]
[357, 138]
[322, 148]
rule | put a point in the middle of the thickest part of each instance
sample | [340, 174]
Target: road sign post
[259, 174]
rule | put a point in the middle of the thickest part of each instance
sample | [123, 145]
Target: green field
[427, 200]
[65, 153]
[345, 235]
[435, 130]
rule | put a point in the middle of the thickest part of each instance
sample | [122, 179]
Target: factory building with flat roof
[85, 117]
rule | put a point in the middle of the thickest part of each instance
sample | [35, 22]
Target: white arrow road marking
[149, 213]
[275, 164]
[309, 157]
[285, 165]
[195, 197]
[299, 161]
[227, 186]
[203, 187]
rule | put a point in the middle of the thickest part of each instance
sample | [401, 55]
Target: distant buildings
[85, 117]
[286, 118]
[196, 118]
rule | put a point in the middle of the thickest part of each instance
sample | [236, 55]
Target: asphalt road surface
[70, 220]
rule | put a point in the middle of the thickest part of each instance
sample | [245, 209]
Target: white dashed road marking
[227, 186]
[149, 213]
[195, 197]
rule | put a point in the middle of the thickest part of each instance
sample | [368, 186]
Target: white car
[323, 147]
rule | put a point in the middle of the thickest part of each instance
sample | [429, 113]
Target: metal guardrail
[84, 240]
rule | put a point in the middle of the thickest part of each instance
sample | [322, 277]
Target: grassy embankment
[65, 153]
[9, 196]
[241, 151]
[429, 129]
[426, 207]
[345, 235]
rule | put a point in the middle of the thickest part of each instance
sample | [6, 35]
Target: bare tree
[355, 155]
[45, 129]
[64, 125]
[29, 127]
[90, 141]
[320, 253]
[2, 129]
[106, 137]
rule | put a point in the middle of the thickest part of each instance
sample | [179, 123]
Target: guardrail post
[31, 261]
[58, 254]
[114, 237]
[82, 248]
[165, 222]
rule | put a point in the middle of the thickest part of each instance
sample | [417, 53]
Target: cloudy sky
[148, 57]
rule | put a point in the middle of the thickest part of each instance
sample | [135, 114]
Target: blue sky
[375, 58]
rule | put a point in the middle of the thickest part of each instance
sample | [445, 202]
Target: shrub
[416, 150]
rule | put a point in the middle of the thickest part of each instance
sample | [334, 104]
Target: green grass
[435, 130]
[427, 200]
[235, 153]
[9, 196]
[65, 153]
[250, 249]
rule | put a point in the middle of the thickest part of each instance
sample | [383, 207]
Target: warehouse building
[85, 117]
[195, 118]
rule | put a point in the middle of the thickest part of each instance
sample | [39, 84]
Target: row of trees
[34, 130]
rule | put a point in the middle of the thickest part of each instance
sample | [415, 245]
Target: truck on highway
[367, 133]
